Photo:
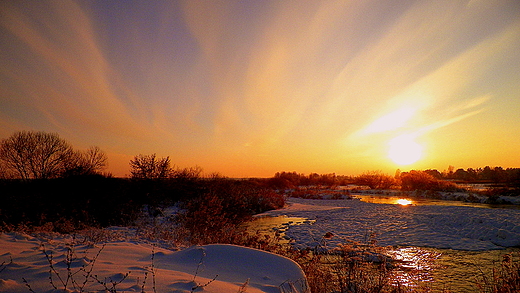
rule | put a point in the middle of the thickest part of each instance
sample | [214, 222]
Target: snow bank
[235, 264]
[452, 227]
[132, 266]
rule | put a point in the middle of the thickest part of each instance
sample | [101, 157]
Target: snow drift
[139, 267]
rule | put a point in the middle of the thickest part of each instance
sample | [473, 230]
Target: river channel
[389, 199]
[455, 270]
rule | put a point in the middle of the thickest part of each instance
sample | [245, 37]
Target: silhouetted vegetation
[420, 180]
[283, 180]
[498, 181]
[150, 167]
[509, 177]
[376, 180]
[45, 183]
[224, 205]
[40, 155]
[67, 204]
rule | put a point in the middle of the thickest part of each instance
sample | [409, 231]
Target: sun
[404, 150]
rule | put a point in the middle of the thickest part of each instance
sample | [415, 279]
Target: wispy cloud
[67, 77]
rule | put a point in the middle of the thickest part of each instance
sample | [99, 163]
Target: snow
[449, 227]
[210, 268]
[133, 265]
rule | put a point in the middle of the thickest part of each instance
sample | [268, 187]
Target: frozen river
[451, 241]
[436, 226]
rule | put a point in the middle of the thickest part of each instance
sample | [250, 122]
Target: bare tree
[93, 161]
[5, 172]
[150, 167]
[35, 155]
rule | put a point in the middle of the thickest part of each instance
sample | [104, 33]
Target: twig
[53, 270]
[87, 273]
[243, 288]
[203, 285]
[27, 285]
[114, 284]
[3, 266]
[69, 256]
[153, 270]
[201, 262]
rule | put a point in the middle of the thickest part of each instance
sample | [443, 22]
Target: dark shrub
[420, 180]
[375, 180]
[224, 205]
[77, 201]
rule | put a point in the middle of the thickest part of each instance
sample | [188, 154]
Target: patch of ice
[454, 227]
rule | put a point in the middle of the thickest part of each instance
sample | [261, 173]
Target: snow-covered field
[130, 266]
[453, 227]
[127, 264]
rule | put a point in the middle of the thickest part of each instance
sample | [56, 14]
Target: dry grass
[347, 269]
[352, 268]
[504, 278]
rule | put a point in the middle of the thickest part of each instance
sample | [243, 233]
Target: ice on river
[452, 227]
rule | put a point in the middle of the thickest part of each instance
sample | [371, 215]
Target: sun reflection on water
[414, 265]
[404, 202]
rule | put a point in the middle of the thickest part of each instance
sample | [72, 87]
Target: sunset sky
[249, 88]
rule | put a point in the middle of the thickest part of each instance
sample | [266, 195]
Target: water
[390, 199]
[461, 270]
[276, 225]
[456, 270]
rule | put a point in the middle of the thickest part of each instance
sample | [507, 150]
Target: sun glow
[404, 150]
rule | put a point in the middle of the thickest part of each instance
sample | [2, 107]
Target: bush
[420, 180]
[495, 192]
[375, 180]
[319, 193]
[67, 204]
[223, 206]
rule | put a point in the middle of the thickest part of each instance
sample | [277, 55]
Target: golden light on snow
[404, 202]
[404, 150]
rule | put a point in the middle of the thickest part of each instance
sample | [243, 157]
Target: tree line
[412, 180]
[294, 179]
[68, 190]
[475, 175]
[41, 155]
